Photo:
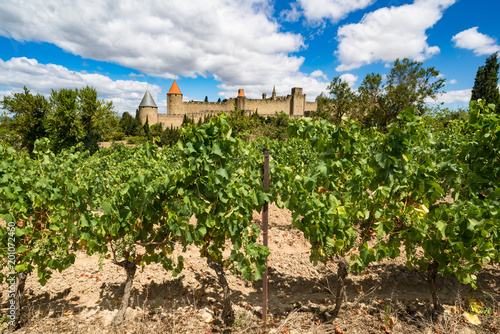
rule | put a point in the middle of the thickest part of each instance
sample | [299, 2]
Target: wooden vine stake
[265, 227]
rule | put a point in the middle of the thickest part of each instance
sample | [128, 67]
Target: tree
[371, 98]
[156, 129]
[128, 125]
[64, 126]
[29, 113]
[138, 124]
[408, 85]
[96, 117]
[77, 116]
[170, 137]
[486, 82]
[147, 132]
[342, 102]
[206, 98]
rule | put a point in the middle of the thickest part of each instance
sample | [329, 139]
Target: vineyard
[426, 195]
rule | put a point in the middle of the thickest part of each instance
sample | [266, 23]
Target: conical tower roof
[147, 101]
[174, 89]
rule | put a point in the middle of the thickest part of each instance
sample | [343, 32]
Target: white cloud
[235, 41]
[319, 74]
[480, 44]
[42, 78]
[349, 78]
[334, 10]
[452, 97]
[390, 33]
[452, 82]
[292, 14]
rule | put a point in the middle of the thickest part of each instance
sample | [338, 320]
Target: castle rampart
[294, 105]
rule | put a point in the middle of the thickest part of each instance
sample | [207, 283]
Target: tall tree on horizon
[486, 82]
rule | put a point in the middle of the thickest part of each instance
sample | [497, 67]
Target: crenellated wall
[294, 105]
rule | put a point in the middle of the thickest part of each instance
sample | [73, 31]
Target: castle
[295, 105]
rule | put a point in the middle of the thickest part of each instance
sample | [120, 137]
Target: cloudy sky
[214, 47]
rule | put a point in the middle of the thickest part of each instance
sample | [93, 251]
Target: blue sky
[214, 47]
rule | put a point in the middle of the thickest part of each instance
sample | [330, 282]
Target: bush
[156, 129]
[114, 136]
[135, 140]
[170, 137]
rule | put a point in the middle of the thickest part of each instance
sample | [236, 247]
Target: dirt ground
[385, 298]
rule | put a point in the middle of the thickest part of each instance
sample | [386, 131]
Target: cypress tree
[486, 82]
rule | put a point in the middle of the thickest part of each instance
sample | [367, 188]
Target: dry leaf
[392, 321]
[472, 318]
[475, 305]
[338, 330]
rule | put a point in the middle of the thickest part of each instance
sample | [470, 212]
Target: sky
[215, 47]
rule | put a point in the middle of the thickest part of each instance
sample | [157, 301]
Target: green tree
[187, 121]
[206, 98]
[138, 124]
[371, 98]
[486, 82]
[342, 101]
[170, 137]
[146, 129]
[64, 127]
[77, 116]
[29, 114]
[97, 117]
[408, 85]
[156, 129]
[128, 125]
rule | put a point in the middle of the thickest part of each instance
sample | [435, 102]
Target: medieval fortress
[295, 105]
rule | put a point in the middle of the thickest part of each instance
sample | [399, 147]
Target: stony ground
[385, 298]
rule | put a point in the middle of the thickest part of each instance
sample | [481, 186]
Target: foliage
[342, 102]
[440, 118]
[222, 194]
[156, 129]
[114, 136]
[486, 82]
[147, 130]
[358, 195]
[378, 101]
[170, 137]
[77, 116]
[136, 140]
[29, 117]
[42, 197]
[139, 128]
[128, 124]
[70, 117]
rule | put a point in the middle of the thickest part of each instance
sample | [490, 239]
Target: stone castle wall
[294, 105]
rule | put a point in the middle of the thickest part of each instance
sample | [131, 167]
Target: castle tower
[174, 100]
[240, 100]
[274, 93]
[148, 109]
[297, 102]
